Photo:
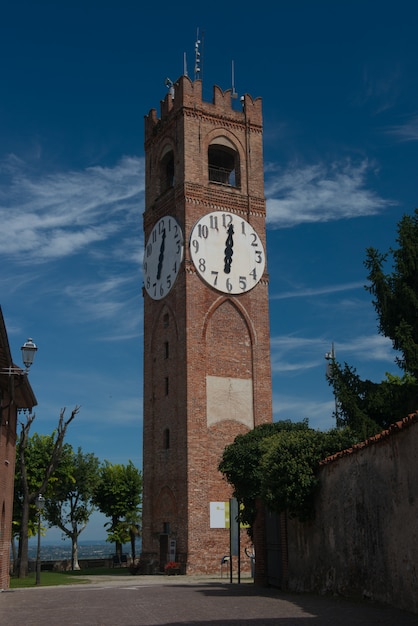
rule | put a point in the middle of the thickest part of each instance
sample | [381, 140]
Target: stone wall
[364, 539]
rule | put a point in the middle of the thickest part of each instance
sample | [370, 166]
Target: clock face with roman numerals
[162, 257]
[227, 252]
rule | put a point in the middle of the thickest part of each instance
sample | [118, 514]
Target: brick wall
[7, 470]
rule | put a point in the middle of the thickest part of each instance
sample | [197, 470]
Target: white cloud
[318, 412]
[115, 299]
[57, 215]
[407, 131]
[290, 353]
[319, 193]
[294, 354]
[367, 348]
[380, 89]
[316, 291]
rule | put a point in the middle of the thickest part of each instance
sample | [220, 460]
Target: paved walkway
[171, 601]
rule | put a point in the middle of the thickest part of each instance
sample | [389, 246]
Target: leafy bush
[279, 463]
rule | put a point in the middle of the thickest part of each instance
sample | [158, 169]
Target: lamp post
[40, 503]
[330, 358]
[28, 353]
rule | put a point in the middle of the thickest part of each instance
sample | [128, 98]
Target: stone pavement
[171, 601]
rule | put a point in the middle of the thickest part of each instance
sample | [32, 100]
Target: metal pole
[40, 502]
[239, 548]
[38, 553]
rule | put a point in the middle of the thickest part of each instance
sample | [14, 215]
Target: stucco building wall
[364, 539]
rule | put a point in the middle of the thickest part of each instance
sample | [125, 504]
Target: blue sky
[339, 84]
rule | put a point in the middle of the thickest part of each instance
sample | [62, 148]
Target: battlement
[187, 93]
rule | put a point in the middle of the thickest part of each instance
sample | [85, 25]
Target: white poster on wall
[172, 550]
[219, 514]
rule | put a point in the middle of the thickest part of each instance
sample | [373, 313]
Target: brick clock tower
[207, 374]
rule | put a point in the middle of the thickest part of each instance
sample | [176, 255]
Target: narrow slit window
[167, 172]
[166, 439]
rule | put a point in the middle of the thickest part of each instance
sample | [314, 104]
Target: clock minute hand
[229, 249]
[161, 257]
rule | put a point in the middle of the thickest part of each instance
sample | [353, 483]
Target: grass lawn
[49, 579]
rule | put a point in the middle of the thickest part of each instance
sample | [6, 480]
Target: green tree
[288, 452]
[72, 502]
[118, 496]
[240, 465]
[366, 406]
[289, 465]
[396, 293]
[37, 460]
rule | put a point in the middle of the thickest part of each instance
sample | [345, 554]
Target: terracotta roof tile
[393, 429]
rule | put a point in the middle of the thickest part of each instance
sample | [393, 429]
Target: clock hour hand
[229, 251]
[161, 257]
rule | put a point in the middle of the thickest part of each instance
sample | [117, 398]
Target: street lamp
[40, 503]
[28, 353]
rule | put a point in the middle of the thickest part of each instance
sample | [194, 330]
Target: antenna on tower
[185, 65]
[234, 92]
[197, 57]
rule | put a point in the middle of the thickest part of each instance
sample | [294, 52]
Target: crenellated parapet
[185, 93]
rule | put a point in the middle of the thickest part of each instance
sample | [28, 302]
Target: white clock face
[162, 257]
[227, 252]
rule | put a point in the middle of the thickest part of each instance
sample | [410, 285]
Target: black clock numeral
[258, 256]
[254, 274]
[254, 242]
[195, 245]
[226, 219]
[243, 283]
[213, 222]
[202, 265]
[202, 231]
[215, 280]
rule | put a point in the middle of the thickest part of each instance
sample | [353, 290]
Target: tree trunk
[74, 553]
[118, 548]
[22, 559]
[29, 498]
[133, 537]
